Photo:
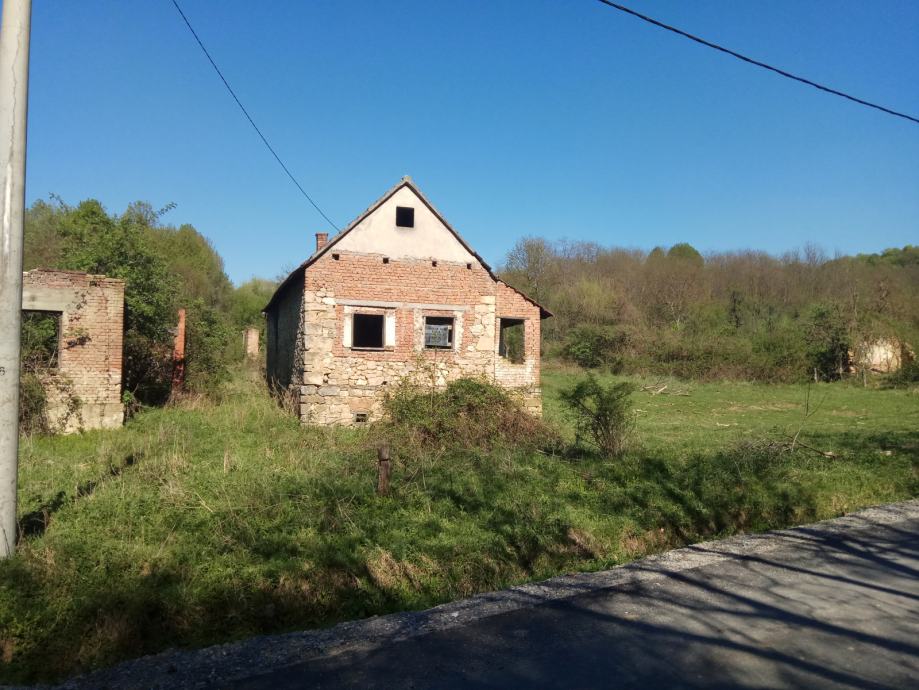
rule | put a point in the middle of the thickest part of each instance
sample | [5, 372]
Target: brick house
[396, 293]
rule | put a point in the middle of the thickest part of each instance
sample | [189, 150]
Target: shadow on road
[821, 610]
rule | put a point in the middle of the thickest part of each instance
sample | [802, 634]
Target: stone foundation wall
[84, 390]
[340, 381]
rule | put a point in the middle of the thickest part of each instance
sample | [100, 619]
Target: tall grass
[207, 522]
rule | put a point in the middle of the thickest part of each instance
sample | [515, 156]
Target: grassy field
[213, 521]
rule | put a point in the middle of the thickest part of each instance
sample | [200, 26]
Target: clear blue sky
[558, 118]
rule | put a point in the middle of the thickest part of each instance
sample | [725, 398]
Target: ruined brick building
[82, 378]
[397, 292]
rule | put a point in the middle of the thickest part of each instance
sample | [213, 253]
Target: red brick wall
[90, 351]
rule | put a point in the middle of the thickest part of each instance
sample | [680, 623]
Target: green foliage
[40, 343]
[210, 343]
[907, 256]
[40, 340]
[164, 268]
[468, 413]
[208, 522]
[905, 377]
[685, 252]
[248, 301]
[744, 315]
[594, 346]
[33, 404]
[604, 413]
[827, 342]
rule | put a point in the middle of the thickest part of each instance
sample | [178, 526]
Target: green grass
[210, 522]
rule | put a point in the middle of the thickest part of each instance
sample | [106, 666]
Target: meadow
[212, 520]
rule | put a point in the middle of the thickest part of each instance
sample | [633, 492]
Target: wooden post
[383, 470]
[178, 355]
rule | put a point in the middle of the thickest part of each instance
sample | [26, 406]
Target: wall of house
[284, 351]
[339, 381]
[428, 239]
[510, 304]
[84, 390]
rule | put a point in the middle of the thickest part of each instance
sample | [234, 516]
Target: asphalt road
[822, 609]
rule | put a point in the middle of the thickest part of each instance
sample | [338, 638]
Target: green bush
[469, 413]
[907, 375]
[33, 405]
[604, 413]
[827, 342]
[595, 346]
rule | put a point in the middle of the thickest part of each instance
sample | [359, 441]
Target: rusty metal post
[178, 355]
[383, 469]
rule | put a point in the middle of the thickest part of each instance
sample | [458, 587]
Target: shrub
[469, 413]
[907, 375]
[33, 403]
[604, 413]
[594, 346]
[827, 342]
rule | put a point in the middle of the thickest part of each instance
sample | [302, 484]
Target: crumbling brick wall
[335, 382]
[84, 389]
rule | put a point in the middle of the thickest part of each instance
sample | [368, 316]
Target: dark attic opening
[405, 217]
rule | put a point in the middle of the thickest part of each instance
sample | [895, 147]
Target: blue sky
[559, 118]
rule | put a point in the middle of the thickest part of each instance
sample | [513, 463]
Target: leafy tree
[685, 252]
[248, 301]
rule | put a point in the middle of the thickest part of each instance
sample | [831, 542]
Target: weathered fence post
[383, 469]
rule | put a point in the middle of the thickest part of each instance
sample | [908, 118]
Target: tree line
[740, 315]
[164, 268]
[744, 315]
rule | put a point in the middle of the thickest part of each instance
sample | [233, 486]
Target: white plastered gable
[429, 239]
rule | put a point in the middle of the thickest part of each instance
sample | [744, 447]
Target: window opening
[511, 340]
[438, 332]
[361, 417]
[405, 217]
[367, 331]
[41, 340]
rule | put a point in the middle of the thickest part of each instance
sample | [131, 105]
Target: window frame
[439, 348]
[54, 361]
[354, 318]
[506, 323]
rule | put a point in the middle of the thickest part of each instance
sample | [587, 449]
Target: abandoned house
[80, 320]
[397, 293]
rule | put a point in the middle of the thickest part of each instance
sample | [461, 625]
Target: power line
[249, 117]
[750, 60]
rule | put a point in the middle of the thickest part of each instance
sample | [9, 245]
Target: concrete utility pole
[14, 96]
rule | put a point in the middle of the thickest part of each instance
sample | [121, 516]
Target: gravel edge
[219, 664]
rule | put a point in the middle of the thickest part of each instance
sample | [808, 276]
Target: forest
[734, 315]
